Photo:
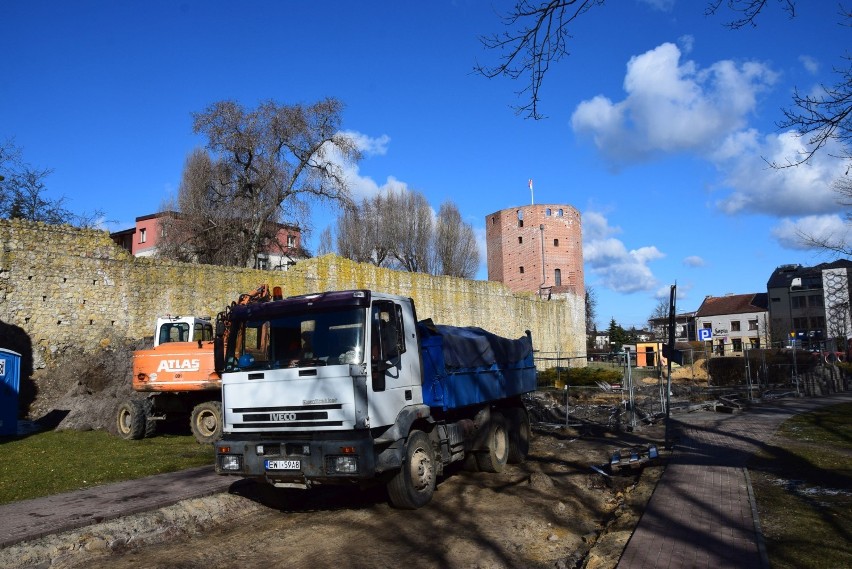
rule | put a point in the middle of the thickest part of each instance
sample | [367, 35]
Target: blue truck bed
[468, 366]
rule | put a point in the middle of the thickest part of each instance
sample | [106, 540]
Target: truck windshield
[298, 340]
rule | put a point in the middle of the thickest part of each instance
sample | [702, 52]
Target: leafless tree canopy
[455, 244]
[536, 35]
[23, 189]
[326, 242]
[395, 229]
[261, 167]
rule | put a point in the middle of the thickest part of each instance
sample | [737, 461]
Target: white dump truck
[348, 387]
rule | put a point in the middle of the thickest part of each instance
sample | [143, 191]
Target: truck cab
[182, 329]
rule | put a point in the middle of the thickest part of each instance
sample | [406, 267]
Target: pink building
[142, 241]
[536, 248]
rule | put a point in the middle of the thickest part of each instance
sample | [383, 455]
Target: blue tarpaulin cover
[468, 365]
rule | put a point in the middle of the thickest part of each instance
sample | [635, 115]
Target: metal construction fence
[616, 389]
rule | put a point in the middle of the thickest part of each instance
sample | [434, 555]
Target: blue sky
[659, 123]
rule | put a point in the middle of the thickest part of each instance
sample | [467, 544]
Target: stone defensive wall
[66, 287]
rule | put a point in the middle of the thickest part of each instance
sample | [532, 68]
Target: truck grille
[289, 417]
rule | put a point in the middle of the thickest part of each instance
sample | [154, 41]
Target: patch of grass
[51, 462]
[803, 486]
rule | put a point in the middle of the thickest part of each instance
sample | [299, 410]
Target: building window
[735, 325]
[522, 270]
[559, 213]
[291, 241]
[752, 324]
[737, 344]
[548, 212]
[755, 343]
[520, 223]
[815, 300]
[797, 301]
[143, 235]
[520, 240]
[494, 220]
[800, 323]
[557, 276]
[556, 242]
[817, 322]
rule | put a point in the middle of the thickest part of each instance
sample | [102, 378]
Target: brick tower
[536, 248]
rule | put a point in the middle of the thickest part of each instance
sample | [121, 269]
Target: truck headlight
[344, 464]
[230, 462]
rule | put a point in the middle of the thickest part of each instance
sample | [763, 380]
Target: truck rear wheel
[496, 453]
[520, 434]
[132, 420]
[206, 422]
[412, 487]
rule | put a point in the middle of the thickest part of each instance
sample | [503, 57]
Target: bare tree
[395, 229]
[23, 189]
[326, 241]
[360, 234]
[408, 221]
[456, 250]
[834, 243]
[536, 35]
[591, 301]
[266, 166]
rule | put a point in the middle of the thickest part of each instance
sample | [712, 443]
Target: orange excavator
[181, 376]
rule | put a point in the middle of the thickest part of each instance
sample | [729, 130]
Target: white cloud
[757, 187]
[661, 5]
[832, 228]
[694, 261]
[364, 186]
[671, 106]
[368, 145]
[810, 64]
[614, 266]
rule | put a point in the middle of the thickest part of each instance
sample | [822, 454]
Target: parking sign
[705, 334]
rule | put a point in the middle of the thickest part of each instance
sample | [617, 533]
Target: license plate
[283, 465]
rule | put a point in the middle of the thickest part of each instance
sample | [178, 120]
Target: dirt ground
[554, 511]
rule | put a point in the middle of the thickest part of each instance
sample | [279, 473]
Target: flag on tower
[529, 183]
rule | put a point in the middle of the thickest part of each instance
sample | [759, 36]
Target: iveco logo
[282, 416]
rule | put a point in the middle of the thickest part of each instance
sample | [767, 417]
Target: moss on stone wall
[70, 287]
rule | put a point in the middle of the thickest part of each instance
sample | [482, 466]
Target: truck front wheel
[412, 487]
[132, 420]
[496, 453]
[206, 422]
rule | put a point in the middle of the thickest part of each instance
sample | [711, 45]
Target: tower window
[522, 270]
[557, 277]
[520, 240]
[548, 212]
[556, 242]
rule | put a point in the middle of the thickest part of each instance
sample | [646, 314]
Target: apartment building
[733, 323]
[810, 306]
[143, 238]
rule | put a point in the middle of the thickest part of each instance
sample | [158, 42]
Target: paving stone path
[702, 513]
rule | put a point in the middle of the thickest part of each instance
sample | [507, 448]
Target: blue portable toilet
[10, 383]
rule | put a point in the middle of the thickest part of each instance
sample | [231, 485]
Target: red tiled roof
[732, 304]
